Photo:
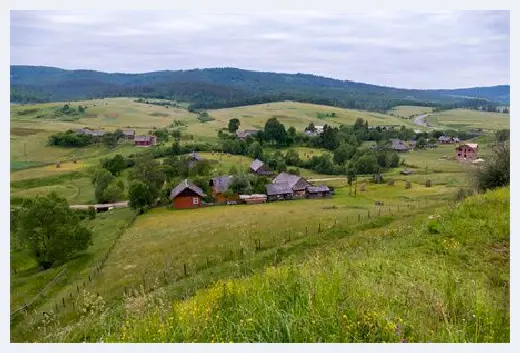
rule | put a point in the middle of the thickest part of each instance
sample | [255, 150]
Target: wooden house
[186, 195]
[398, 146]
[129, 134]
[467, 151]
[242, 135]
[145, 141]
[219, 186]
[259, 168]
[295, 182]
[279, 192]
[317, 191]
[253, 199]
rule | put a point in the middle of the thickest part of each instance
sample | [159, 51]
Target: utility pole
[24, 150]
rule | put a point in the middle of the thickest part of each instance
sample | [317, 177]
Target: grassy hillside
[407, 111]
[441, 275]
[469, 119]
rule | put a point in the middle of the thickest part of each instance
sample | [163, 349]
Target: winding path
[420, 120]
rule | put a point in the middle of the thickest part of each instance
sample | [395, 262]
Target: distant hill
[227, 87]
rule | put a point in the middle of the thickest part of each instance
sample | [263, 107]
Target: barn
[295, 182]
[259, 168]
[279, 192]
[318, 191]
[186, 195]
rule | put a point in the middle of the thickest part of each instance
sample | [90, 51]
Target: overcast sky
[400, 49]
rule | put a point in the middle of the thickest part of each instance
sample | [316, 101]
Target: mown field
[407, 111]
[469, 119]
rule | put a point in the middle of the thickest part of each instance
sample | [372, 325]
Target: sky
[450, 49]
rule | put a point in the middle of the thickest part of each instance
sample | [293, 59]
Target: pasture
[408, 111]
[469, 119]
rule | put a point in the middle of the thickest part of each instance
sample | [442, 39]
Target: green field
[408, 111]
[345, 251]
[469, 119]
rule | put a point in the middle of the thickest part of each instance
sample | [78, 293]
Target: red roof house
[186, 195]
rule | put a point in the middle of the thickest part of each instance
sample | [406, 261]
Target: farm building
[84, 131]
[129, 134]
[242, 135]
[468, 151]
[398, 145]
[279, 192]
[145, 141]
[259, 168]
[193, 158]
[295, 182]
[253, 199]
[98, 133]
[219, 186]
[447, 140]
[186, 195]
[318, 191]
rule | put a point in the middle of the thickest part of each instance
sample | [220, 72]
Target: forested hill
[225, 87]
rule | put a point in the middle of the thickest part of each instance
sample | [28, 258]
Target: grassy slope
[469, 119]
[444, 280]
[29, 280]
[407, 111]
[439, 276]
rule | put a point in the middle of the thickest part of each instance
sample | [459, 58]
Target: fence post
[185, 270]
[359, 217]
[368, 213]
[379, 210]
[63, 301]
[319, 227]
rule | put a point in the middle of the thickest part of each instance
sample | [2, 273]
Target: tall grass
[442, 278]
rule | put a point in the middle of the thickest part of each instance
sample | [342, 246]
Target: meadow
[430, 274]
[408, 111]
[469, 119]
[317, 248]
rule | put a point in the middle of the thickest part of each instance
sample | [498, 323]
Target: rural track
[103, 205]
[327, 179]
[420, 120]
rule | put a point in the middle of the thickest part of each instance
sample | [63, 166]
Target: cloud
[402, 49]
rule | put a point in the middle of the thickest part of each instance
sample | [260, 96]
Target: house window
[195, 200]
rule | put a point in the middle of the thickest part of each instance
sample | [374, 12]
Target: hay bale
[363, 187]
[428, 183]
[391, 182]
[408, 184]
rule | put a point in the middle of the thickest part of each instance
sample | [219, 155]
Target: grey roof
[294, 181]
[144, 138]
[128, 132]
[221, 183]
[98, 132]
[443, 138]
[256, 164]
[320, 188]
[185, 184]
[278, 189]
[398, 144]
[247, 132]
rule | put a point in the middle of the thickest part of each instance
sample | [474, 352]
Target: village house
[145, 141]
[279, 192]
[129, 134]
[295, 182]
[186, 195]
[242, 135]
[253, 199]
[467, 151]
[318, 191]
[193, 158]
[219, 185]
[259, 168]
[447, 140]
[98, 133]
[398, 145]
[84, 131]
